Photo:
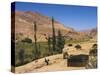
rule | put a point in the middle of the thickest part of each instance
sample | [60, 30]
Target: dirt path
[56, 63]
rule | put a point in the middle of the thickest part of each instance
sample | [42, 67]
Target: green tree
[21, 56]
[35, 39]
[53, 35]
[39, 46]
[49, 45]
[93, 50]
[94, 46]
[39, 49]
[60, 42]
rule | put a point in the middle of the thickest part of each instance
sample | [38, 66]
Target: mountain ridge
[24, 22]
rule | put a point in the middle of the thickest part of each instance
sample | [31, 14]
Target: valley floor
[56, 62]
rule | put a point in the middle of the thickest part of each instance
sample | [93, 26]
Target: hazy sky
[77, 17]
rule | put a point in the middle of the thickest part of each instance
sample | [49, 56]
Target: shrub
[65, 55]
[94, 46]
[28, 40]
[70, 45]
[78, 47]
[93, 50]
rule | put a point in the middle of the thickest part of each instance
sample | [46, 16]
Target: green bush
[78, 47]
[94, 46]
[70, 45]
[93, 50]
[28, 40]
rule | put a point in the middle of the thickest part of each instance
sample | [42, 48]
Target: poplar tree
[60, 42]
[53, 35]
[35, 39]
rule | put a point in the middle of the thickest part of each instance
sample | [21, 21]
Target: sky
[77, 17]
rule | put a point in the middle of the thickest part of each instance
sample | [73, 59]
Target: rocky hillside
[91, 33]
[24, 22]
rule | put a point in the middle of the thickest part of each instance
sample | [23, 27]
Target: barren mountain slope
[24, 27]
[24, 22]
